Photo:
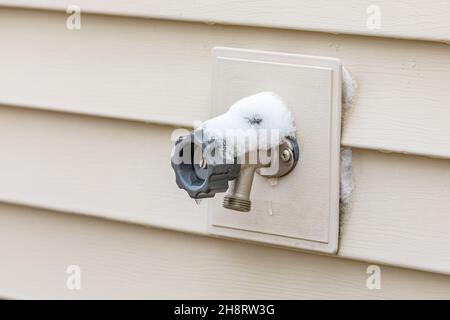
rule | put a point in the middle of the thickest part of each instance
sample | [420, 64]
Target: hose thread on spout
[233, 203]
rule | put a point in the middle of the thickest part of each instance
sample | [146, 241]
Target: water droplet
[273, 181]
[270, 209]
[198, 201]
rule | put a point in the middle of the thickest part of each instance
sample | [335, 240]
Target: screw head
[286, 155]
[203, 164]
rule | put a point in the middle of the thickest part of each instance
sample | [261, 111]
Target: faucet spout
[238, 197]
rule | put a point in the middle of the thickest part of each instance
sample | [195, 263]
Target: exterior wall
[120, 170]
[119, 260]
[400, 20]
[147, 70]
[85, 123]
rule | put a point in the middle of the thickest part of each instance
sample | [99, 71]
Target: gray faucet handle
[199, 175]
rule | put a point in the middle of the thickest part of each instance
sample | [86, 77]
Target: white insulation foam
[261, 121]
[349, 90]
[346, 181]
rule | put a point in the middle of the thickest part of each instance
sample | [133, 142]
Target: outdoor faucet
[257, 134]
[202, 172]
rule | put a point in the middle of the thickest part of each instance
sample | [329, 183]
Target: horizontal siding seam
[175, 16]
[345, 142]
[201, 232]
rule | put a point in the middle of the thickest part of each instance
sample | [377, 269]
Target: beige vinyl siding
[414, 19]
[121, 170]
[86, 119]
[149, 71]
[125, 261]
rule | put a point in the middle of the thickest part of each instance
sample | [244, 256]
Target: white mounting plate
[302, 210]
